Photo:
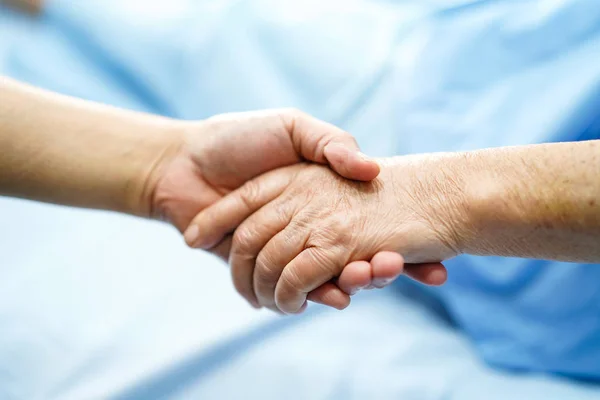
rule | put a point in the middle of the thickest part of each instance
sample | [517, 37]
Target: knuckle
[292, 282]
[250, 193]
[343, 137]
[344, 237]
[349, 139]
[339, 223]
[293, 112]
[266, 270]
[283, 209]
[334, 231]
[326, 262]
[289, 294]
[243, 239]
[290, 117]
[329, 257]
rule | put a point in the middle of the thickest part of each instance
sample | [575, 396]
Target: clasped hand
[300, 231]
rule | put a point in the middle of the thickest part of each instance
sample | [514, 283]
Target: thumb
[323, 143]
[350, 163]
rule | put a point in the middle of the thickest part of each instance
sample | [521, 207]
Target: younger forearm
[538, 201]
[67, 151]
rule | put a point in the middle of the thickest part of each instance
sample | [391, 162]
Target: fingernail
[358, 289]
[191, 235]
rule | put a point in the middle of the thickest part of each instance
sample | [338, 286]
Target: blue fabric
[511, 73]
[404, 77]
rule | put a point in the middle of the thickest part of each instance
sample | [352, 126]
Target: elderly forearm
[538, 201]
[61, 150]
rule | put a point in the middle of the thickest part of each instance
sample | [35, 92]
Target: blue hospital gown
[404, 77]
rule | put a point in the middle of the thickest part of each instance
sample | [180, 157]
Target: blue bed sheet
[110, 314]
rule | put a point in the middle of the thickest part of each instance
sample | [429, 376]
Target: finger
[355, 276]
[387, 267]
[210, 226]
[272, 259]
[350, 163]
[383, 269]
[309, 270]
[433, 274]
[311, 136]
[223, 249]
[248, 240]
[330, 295]
[303, 308]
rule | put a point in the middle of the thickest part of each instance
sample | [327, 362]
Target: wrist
[78, 153]
[157, 144]
[432, 187]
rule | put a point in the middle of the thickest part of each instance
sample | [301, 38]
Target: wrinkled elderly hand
[220, 154]
[299, 227]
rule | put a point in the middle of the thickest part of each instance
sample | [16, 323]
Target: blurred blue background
[96, 305]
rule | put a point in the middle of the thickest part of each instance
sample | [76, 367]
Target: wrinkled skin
[300, 226]
[222, 153]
